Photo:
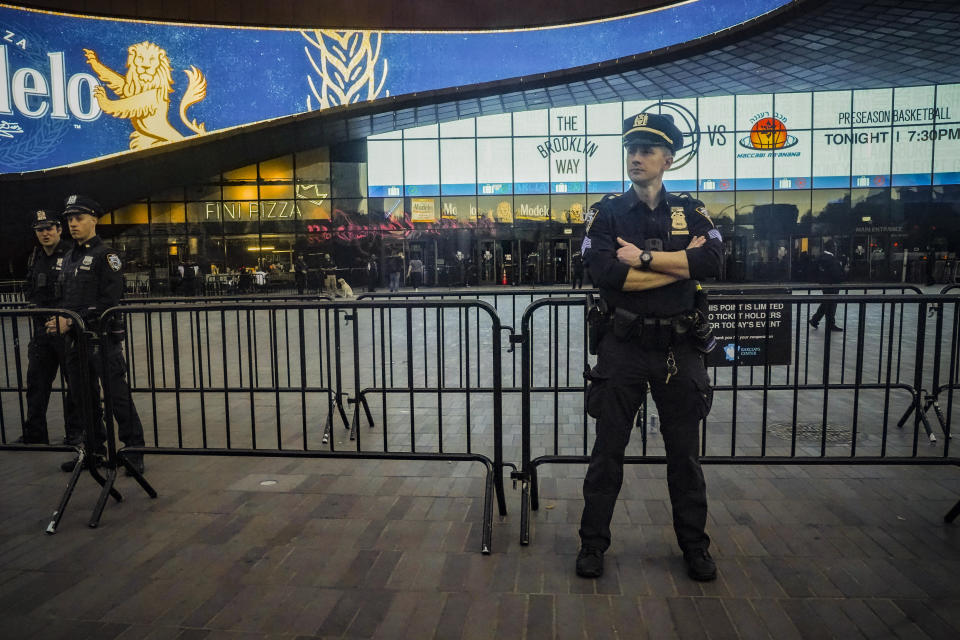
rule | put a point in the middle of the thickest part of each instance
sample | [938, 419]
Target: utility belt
[627, 326]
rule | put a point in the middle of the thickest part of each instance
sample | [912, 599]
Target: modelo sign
[76, 88]
[36, 93]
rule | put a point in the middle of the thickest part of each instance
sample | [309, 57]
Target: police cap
[81, 204]
[652, 128]
[43, 220]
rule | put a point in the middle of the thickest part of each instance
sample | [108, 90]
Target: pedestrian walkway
[264, 548]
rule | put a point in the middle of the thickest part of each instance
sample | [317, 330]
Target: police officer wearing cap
[91, 283]
[645, 250]
[45, 354]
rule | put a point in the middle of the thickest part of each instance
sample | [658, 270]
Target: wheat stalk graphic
[346, 68]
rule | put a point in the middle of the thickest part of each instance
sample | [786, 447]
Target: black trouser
[578, 279]
[45, 356]
[618, 387]
[827, 310]
[109, 368]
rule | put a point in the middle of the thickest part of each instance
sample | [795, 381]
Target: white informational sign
[868, 138]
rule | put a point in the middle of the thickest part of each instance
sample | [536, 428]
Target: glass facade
[501, 198]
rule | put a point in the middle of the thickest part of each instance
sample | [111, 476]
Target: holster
[598, 322]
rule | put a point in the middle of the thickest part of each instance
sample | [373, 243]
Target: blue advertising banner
[77, 88]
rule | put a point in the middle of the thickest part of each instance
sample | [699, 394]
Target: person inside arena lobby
[645, 250]
[829, 271]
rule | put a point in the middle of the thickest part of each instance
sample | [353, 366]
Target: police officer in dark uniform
[577, 264]
[644, 250]
[830, 271]
[46, 352]
[92, 282]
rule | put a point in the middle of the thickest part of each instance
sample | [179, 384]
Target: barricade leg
[67, 493]
[361, 401]
[486, 542]
[501, 495]
[366, 410]
[929, 402]
[343, 413]
[108, 488]
[135, 473]
[327, 424]
[534, 489]
[524, 513]
[953, 513]
[102, 498]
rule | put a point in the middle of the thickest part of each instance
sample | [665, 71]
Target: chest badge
[87, 260]
[59, 263]
[678, 220]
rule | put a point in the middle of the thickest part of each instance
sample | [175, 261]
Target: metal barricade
[511, 302]
[267, 379]
[15, 325]
[785, 393]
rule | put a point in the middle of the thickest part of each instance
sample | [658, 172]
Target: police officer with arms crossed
[644, 250]
[45, 354]
[91, 283]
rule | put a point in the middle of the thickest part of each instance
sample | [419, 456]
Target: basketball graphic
[768, 134]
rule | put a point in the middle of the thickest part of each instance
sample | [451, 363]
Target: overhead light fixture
[259, 248]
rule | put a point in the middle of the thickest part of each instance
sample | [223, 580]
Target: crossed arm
[666, 267]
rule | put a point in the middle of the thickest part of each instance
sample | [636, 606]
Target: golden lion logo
[144, 94]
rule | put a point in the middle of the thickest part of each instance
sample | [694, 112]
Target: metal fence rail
[17, 328]
[428, 378]
[830, 403]
[268, 379]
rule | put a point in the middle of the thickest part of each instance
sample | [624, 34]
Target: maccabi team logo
[768, 134]
[143, 95]
[684, 119]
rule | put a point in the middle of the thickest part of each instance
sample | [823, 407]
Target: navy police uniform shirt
[675, 220]
[92, 280]
[43, 276]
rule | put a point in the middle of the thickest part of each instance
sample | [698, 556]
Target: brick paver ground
[363, 549]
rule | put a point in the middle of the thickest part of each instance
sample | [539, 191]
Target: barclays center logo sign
[686, 121]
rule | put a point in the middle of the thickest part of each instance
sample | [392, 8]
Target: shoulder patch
[703, 212]
[589, 217]
[114, 261]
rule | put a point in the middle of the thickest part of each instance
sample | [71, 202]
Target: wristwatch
[645, 259]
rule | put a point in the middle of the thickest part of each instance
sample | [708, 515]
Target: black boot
[700, 566]
[590, 563]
